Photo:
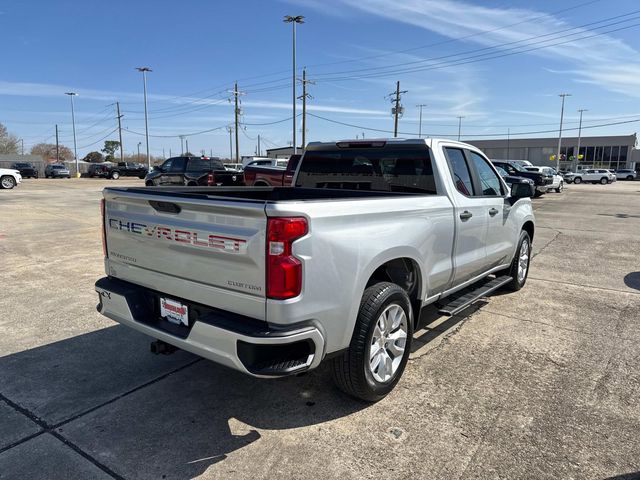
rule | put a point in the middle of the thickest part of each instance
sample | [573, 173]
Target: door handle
[493, 212]
[466, 215]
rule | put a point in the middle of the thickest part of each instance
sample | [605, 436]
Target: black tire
[577, 180]
[141, 177]
[7, 182]
[351, 371]
[560, 187]
[515, 284]
[604, 180]
[537, 194]
[630, 177]
[115, 175]
[148, 183]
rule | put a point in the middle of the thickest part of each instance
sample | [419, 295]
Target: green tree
[48, 151]
[93, 157]
[110, 148]
[8, 142]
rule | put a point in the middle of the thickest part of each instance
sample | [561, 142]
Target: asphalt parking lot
[543, 383]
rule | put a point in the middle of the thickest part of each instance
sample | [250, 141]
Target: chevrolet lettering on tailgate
[198, 239]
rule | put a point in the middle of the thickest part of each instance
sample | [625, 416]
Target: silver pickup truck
[272, 281]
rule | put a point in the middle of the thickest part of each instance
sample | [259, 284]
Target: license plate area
[174, 312]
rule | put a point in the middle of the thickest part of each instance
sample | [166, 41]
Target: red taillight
[104, 229]
[284, 271]
[210, 179]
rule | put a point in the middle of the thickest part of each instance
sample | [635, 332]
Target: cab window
[459, 171]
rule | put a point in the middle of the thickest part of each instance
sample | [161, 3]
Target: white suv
[626, 174]
[9, 178]
[591, 175]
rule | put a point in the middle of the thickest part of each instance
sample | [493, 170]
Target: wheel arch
[530, 228]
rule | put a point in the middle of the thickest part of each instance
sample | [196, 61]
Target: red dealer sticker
[174, 311]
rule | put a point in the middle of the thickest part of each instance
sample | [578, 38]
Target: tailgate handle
[166, 207]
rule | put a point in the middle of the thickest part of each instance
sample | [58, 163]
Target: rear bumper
[244, 344]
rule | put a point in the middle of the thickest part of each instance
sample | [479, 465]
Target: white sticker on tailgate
[174, 311]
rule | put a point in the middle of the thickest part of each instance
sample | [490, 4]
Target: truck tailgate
[206, 250]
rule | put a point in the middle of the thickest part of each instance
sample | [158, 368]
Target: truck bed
[266, 194]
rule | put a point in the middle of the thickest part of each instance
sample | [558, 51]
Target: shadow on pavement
[149, 416]
[632, 280]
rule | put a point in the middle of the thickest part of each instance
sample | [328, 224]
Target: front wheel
[577, 180]
[519, 269]
[380, 346]
[560, 187]
[115, 175]
[7, 182]
[604, 181]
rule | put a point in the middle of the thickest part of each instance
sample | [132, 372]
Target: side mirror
[522, 190]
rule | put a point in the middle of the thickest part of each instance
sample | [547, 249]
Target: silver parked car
[56, 170]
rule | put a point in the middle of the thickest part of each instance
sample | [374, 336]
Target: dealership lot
[544, 383]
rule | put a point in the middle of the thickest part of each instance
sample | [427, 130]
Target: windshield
[58, 167]
[378, 169]
[519, 167]
[502, 172]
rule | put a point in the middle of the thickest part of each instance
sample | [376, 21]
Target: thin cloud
[601, 60]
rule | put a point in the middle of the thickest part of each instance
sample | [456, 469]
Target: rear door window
[459, 171]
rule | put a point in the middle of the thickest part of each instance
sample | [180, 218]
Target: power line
[502, 134]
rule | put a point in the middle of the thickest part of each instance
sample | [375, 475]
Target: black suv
[27, 170]
[542, 180]
[193, 171]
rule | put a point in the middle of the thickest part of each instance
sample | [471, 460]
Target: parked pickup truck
[193, 172]
[272, 281]
[271, 176]
[542, 180]
[115, 171]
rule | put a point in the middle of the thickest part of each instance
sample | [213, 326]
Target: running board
[472, 294]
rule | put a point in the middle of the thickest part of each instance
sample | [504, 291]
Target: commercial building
[613, 152]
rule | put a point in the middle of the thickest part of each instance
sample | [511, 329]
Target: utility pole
[460, 117]
[259, 149]
[139, 143]
[363, 135]
[293, 20]
[57, 146]
[120, 133]
[508, 143]
[577, 157]
[304, 97]
[186, 141]
[397, 110]
[170, 154]
[420, 121]
[230, 130]
[563, 96]
[73, 121]
[144, 71]
[236, 93]
[181, 145]
[163, 155]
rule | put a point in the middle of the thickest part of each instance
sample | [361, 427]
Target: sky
[498, 64]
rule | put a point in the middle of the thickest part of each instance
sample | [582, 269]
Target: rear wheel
[604, 180]
[380, 346]
[7, 182]
[148, 183]
[577, 180]
[115, 175]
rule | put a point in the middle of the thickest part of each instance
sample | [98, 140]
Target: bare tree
[8, 142]
[48, 151]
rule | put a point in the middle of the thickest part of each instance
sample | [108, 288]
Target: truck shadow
[431, 324]
[148, 416]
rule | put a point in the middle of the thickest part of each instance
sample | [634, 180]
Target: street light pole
[293, 20]
[73, 121]
[459, 126]
[577, 157]
[144, 71]
[563, 96]
[139, 143]
[420, 123]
